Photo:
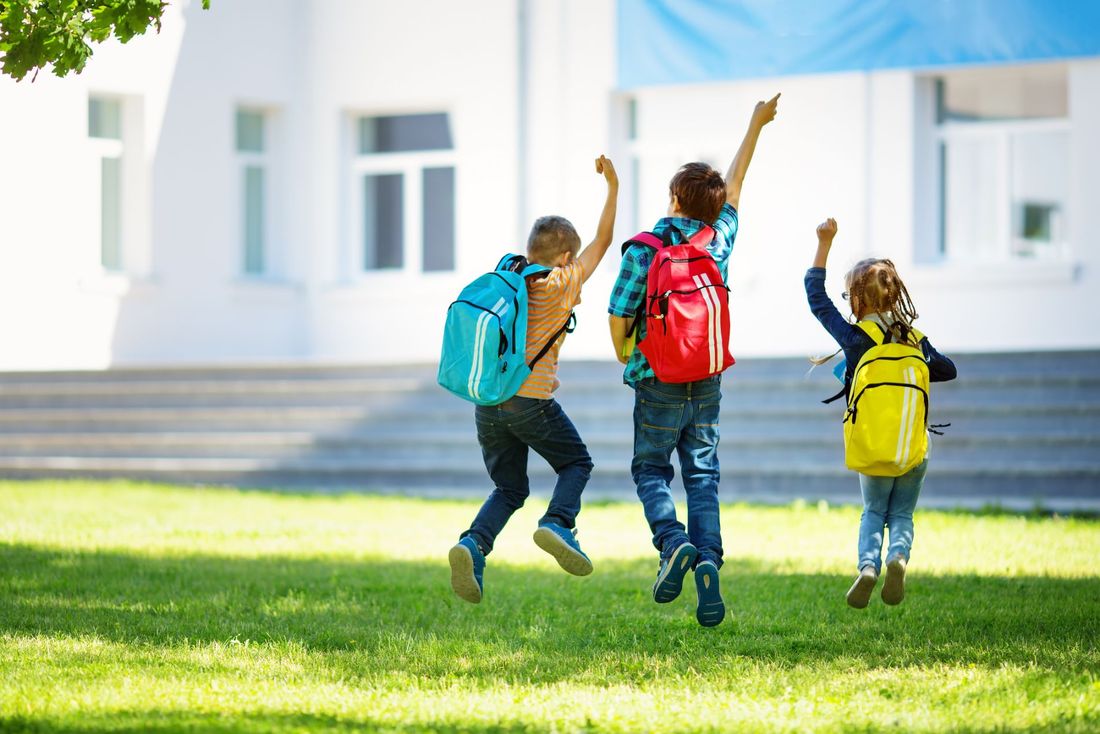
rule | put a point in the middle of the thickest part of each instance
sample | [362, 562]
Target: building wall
[530, 89]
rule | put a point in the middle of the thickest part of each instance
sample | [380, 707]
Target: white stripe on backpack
[477, 368]
[700, 282]
[716, 325]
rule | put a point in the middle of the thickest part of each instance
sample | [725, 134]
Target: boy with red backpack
[671, 295]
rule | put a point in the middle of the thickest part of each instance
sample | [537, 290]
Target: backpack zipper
[851, 412]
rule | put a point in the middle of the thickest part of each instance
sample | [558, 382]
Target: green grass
[127, 607]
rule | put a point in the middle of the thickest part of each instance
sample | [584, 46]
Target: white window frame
[1001, 133]
[134, 200]
[262, 160]
[105, 148]
[410, 165]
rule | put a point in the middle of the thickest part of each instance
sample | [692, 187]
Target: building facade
[285, 181]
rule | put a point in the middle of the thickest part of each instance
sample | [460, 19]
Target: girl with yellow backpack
[888, 367]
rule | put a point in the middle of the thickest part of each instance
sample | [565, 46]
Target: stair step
[1024, 426]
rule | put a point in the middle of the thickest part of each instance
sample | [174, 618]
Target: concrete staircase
[1025, 430]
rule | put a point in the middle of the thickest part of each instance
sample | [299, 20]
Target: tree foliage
[59, 33]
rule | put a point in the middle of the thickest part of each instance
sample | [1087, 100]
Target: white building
[280, 181]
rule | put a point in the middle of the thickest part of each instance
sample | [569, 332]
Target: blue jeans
[684, 417]
[506, 432]
[888, 501]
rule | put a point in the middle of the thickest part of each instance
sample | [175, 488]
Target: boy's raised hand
[590, 257]
[762, 114]
[765, 112]
[607, 168]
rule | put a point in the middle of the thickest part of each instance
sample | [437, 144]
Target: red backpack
[686, 309]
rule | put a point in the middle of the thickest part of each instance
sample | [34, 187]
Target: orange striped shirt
[549, 301]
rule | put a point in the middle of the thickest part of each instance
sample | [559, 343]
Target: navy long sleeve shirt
[854, 342]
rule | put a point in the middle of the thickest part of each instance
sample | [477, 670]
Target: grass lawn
[130, 607]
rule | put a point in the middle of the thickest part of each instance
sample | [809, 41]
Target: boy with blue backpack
[671, 295]
[512, 380]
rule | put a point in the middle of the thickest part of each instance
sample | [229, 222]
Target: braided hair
[875, 287]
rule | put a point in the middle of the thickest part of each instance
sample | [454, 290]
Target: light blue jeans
[888, 501]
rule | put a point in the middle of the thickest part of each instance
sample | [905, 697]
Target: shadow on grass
[536, 624]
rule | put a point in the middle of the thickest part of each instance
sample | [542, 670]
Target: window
[105, 132]
[1003, 139]
[251, 152]
[404, 179]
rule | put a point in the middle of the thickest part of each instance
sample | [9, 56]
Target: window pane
[253, 220]
[110, 220]
[383, 221]
[971, 172]
[104, 118]
[1040, 183]
[400, 133]
[250, 131]
[439, 219]
[1003, 94]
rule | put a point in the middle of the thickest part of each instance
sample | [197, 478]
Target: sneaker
[711, 610]
[670, 576]
[563, 546]
[893, 588]
[860, 593]
[467, 564]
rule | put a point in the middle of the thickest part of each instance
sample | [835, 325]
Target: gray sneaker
[860, 593]
[893, 589]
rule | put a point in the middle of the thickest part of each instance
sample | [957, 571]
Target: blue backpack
[484, 356]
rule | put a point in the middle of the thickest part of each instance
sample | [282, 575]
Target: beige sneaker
[860, 593]
[893, 589]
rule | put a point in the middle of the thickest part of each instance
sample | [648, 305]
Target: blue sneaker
[711, 610]
[563, 546]
[670, 576]
[467, 565]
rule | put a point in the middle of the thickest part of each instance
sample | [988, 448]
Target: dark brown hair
[551, 236]
[700, 191]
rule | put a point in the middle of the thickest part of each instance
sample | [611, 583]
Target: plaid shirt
[628, 293]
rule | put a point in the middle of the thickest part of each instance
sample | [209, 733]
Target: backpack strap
[567, 328]
[873, 330]
[534, 270]
[702, 238]
[648, 239]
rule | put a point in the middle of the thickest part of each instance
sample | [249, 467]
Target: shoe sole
[567, 557]
[860, 594]
[671, 582]
[893, 589]
[462, 574]
[711, 610]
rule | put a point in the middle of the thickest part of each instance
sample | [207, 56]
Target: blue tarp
[684, 41]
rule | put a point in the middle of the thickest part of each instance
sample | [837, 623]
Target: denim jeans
[888, 501]
[684, 417]
[506, 432]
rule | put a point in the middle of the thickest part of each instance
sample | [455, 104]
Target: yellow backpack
[886, 424]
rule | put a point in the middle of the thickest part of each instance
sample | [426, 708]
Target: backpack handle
[702, 238]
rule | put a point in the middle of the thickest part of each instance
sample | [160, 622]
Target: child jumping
[682, 416]
[533, 419]
[884, 313]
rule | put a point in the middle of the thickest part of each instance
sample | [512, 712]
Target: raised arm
[735, 176]
[821, 305]
[590, 257]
